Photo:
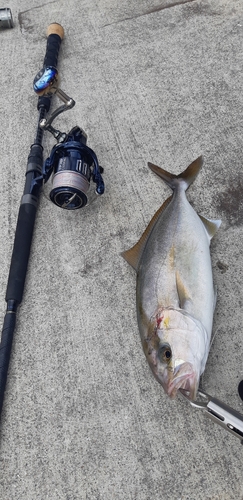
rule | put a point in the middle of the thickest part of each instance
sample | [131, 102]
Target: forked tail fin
[186, 177]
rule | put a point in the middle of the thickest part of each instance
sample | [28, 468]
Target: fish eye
[165, 353]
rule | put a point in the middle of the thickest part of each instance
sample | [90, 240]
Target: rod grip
[5, 351]
[55, 34]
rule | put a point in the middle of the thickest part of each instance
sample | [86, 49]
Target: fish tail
[187, 177]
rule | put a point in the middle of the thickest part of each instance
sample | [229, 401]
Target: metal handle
[228, 418]
[219, 412]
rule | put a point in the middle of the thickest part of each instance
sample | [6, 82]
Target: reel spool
[73, 165]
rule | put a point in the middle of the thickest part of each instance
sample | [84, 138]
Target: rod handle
[55, 34]
[5, 351]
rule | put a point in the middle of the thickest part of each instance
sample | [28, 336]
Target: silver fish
[175, 293]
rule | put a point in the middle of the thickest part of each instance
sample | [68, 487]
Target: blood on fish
[159, 320]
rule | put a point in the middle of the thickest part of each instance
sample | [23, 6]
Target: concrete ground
[83, 417]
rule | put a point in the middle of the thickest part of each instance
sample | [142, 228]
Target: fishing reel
[72, 164]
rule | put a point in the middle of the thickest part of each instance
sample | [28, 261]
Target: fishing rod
[72, 164]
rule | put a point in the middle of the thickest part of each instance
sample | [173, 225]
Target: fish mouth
[184, 378]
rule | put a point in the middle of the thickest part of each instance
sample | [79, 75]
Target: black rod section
[26, 218]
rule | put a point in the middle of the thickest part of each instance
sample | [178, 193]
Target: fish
[175, 294]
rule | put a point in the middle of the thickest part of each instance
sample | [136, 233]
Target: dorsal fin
[211, 225]
[134, 254]
[187, 176]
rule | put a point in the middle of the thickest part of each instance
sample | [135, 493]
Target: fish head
[176, 351]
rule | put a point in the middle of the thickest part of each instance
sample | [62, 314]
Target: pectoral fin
[134, 254]
[185, 300]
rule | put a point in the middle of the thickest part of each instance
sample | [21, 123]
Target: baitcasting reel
[71, 162]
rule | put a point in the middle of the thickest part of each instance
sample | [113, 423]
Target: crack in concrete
[151, 11]
[21, 14]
